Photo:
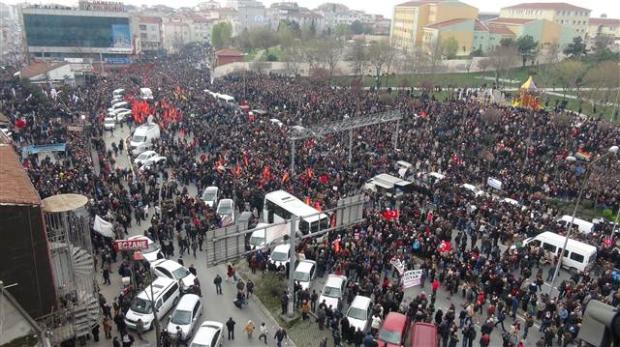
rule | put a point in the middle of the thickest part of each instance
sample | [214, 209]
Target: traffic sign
[131, 245]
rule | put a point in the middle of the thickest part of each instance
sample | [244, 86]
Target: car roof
[205, 333]
[394, 321]
[334, 280]
[211, 189]
[305, 265]
[140, 237]
[282, 248]
[225, 201]
[167, 264]
[360, 301]
[158, 284]
[187, 302]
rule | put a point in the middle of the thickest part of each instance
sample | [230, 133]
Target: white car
[210, 196]
[6, 130]
[477, 192]
[333, 292]
[172, 269]
[359, 312]
[281, 255]
[152, 252]
[304, 273]
[121, 116]
[226, 211]
[149, 158]
[209, 335]
[109, 123]
[185, 317]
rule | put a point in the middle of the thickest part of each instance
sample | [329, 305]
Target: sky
[384, 7]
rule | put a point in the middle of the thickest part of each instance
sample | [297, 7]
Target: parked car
[359, 312]
[226, 211]
[165, 294]
[210, 196]
[305, 272]
[281, 255]
[149, 158]
[185, 317]
[333, 291]
[209, 335]
[172, 269]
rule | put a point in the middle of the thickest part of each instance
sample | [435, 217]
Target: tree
[501, 58]
[601, 47]
[263, 37]
[292, 55]
[552, 53]
[507, 42]
[287, 33]
[380, 55]
[329, 53]
[450, 47]
[527, 48]
[576, 49]
[358, 28]
[358, 56]
[568, 74]
[602, 79]
[221, 35]
[342, 31]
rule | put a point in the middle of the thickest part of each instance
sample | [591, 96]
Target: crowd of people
[247, 156]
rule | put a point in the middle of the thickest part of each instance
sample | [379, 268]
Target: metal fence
[232, 242]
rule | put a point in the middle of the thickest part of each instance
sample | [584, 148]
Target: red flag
[245, 159]
[317, 206]
[323, 179]
[309, 173]
[285, 177]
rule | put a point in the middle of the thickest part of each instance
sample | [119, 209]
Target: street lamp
[611, 151]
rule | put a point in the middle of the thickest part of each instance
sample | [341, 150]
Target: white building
[250, 14]
[176, 33]
[148, 31]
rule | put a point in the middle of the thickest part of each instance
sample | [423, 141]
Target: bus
[280, 206]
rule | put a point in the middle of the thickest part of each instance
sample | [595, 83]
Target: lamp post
[612, 150]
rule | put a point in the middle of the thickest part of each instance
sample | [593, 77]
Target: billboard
[56, 30]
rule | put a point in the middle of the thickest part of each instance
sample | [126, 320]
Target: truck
[264, 234]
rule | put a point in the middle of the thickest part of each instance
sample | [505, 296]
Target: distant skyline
[384, 7]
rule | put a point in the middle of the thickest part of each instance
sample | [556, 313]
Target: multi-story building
[176, 33]
[199, 28]
[488, 36]
[148, 31]
[604, 26]
[410, 18]
[250, 14]
[291, 11]
[64, 32]
[337, 14]
[460, 29]
[570, 17]
[543, 31]
[11, 47]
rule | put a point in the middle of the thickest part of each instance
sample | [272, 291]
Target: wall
[24, 246]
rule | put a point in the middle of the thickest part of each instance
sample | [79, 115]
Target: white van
[387, 184]
[359, 312]
[281, 255]
[582, 225]
[578, 255]
[305, 272]
[143, 136]
[185, 316]
[333, 291]
[210, 196]
[146, 94]
[166, 294]
[118, 92]
[122, 104]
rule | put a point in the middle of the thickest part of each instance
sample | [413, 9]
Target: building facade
[148, 32]
[568, 16]
[543, 31]
[59, 33]
[176, 33]
[410, 18]
[461, 30]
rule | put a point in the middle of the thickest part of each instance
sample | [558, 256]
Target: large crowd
[248, 156]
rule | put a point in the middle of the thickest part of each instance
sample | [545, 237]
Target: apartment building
[566, 15]
[410, 18]
[543, 31]
[148, 31]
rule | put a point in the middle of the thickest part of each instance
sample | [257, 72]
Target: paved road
[218, 308]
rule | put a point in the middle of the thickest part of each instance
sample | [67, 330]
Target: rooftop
[480, 26]
[15, 185]
[446, 23]
[152, 20]
[511, 20]
[500, 29]
[38, 68]
[228, 52]
[548, 6]
[604, 21]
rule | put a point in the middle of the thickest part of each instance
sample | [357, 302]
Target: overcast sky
[385, 7]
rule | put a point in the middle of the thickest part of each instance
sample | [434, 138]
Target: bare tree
[292, 55]
[501, 58]
[330, 52]
[357, 55]
[381, 56]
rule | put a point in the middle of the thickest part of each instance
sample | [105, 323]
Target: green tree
[342, 30]
[263, 37]
[501, 58]
[527, 48]
[602, 47]
[568, 73]
[286, 34]
[221, 35]
[507, 42]
[358, 28]
[576, 49]
[450, 47]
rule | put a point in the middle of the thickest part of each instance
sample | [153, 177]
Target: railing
[58, 326]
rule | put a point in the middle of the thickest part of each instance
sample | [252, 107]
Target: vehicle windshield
[143, 155]
[151, 248]
[332, 292]
[180, 273]
[301, 276]
[138, 138]
[208, 196]
[198, 345]
[256, 241]
[392, 337]
[357, 313]
[139, 305]
[181, 317]
[224, 210]
[279, 256]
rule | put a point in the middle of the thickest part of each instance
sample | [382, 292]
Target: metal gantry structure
[346, 124]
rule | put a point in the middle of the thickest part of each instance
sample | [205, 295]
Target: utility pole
[291, 268]
[292, 157]
[350, 146]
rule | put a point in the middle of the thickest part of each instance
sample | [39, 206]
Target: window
[196, 309]
[142, 26]
[143, 36]
[171, 291]
[549, 248]
[215, 338]
[577, 257]
[164, 271]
